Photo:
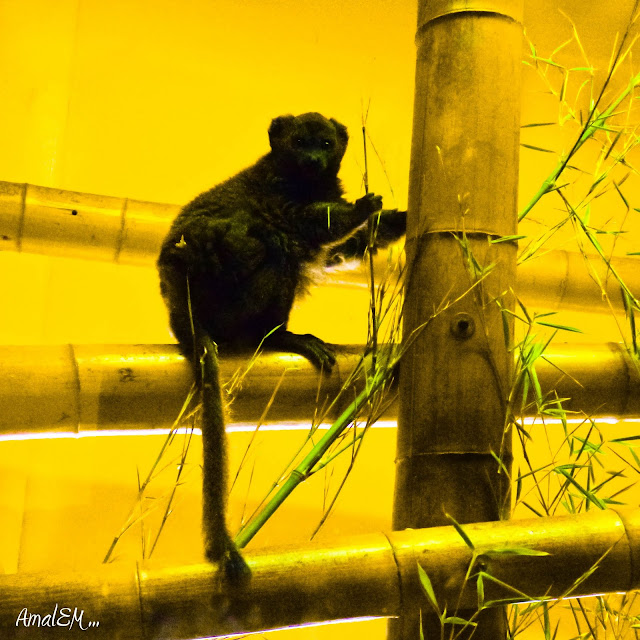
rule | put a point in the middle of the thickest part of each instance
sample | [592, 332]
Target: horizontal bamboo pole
[561, 280]
[81, 225]
[372, 575]
[557, 280]
[94, 227]
[74, 388]
[111, 387]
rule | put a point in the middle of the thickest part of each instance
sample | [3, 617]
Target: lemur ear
[279, 126]
[341, 131]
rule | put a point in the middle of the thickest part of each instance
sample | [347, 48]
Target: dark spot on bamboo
[126, 374]
[462, 326]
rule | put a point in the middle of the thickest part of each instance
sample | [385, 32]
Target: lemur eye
[327, 143]
[299, 142]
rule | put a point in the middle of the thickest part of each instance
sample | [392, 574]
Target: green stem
[371, 226]
[588, 131]
[303, 470]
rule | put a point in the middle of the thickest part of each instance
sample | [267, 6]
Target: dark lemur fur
[236, 256]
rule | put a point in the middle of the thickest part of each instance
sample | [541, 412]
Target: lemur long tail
[219, 547]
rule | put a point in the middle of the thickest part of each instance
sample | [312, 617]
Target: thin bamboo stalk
[463, 185]
[79, 388]
[38, 219]
[373, 575]
[378, 378]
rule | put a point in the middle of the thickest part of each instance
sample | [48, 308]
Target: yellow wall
[158, 100]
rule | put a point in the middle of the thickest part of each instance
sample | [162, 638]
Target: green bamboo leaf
[625, 439]
[428, 588]
[535, 383]
[533, 353]
[518, 485]
[514, 551]
[603, 127]
[629, 310]
[605, 232]
[588, 495]
[461, 533]
[507, 239]
[622, 197]
[501, 464]
[480, 589]
[515, 610]
[623, 490]
[562, 46]
[557, 413]
[596, 182]
[563, 88]
[596, 244]
[457, 620]
[533, 510]
[613, 144]
[625, 178]
[570, 466]
[501, 583]
[506, 329]
[523, 405]
[560, 326]
[515, 315]
[592, 447]
[530, 146]
[524, 310]
[550, 62]
[537, 124]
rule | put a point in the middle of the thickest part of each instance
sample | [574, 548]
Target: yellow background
[159, 100]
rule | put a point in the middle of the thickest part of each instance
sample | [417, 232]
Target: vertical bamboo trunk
[455, 377]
